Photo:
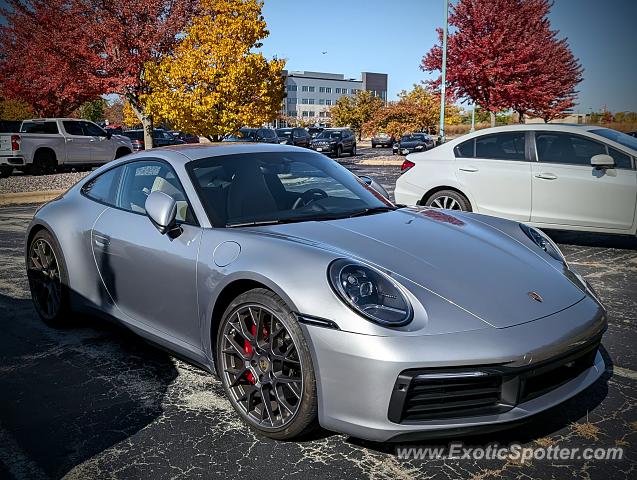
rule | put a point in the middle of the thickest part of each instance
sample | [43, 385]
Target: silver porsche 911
[314, 298]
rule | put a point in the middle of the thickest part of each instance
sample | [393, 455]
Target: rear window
[465, 149]
[49, 128]
[134, 135]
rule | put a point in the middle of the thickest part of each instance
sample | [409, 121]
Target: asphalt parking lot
[97, 402]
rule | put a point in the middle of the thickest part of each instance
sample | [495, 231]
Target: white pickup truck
[46, 145]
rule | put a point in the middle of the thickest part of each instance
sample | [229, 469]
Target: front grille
[421, 395]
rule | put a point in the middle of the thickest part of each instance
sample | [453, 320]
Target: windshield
[619, 137]
[326, 134]
[284, 133]
[279, 187]
[411, 138]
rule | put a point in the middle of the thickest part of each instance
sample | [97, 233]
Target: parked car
[335, 141]
[294, 136]
[550, 175]
[632, 134]
[186, 137]
[256, 135]
[413, 142]
[45, 145]
[301, 287]
[314, 131]
[382, 139]
[161, 138]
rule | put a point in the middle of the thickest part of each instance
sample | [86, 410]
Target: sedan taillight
[406, 166]
[15, 142]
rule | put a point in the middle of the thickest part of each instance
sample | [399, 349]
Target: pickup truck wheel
[5, 172]
[43, 164]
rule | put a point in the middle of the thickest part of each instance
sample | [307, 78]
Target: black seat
[249, 195]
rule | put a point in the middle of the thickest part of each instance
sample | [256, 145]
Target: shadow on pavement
[588, 239]
[69, 394]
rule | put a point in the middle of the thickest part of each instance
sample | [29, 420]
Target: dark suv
[335, 141]
[294, 136]
[161, 138]
[258, 135]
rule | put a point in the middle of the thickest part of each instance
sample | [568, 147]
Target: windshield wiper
[372, 211]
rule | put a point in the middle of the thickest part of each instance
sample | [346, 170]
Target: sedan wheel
[46, 275]
[265, 366]
[449, 200]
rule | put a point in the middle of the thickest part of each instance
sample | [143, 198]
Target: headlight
[369, 292]
[544, 242]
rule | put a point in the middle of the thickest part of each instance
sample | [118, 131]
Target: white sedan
[573, 177]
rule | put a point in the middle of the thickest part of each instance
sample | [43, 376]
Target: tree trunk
[492, 118]
[520, 116]
[147, 123]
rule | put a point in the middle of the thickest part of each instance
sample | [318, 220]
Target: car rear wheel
[449, 200]
[5, 172]
[339, 151]
[44, 163]
[353, 152]
[48, 280]
[265, 366]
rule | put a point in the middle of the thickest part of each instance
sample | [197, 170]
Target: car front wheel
[265, 366]
[449, 200]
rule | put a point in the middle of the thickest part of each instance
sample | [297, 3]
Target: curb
[29, 197]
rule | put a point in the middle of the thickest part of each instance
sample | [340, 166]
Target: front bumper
[357, 375]
[324, 148]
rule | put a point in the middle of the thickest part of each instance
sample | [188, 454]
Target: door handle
[100, 240]
[546, 176]
[468, 169]
[69, 140]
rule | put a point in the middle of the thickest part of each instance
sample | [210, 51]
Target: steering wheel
[309, 196]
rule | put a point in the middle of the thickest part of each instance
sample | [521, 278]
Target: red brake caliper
[248, 348]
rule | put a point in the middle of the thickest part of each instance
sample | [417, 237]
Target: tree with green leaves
[355, 111]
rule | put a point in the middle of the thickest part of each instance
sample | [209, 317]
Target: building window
[328, 114]
[321, 114]
[304, 101]
[311, 113]
[310, 101]
[328, 102]
[291, 100]
[322, 89]
[311, 88]
[337, 90]
[304, 88]
[292, 113]
[321, 101]
[291, 88]
[305, 113]
[328, 89]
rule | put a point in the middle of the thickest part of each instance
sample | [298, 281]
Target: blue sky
[391, 36]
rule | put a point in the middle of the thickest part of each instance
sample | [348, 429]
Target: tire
[339, 151]
[373, 145]
[353, 152]
[449, 199]
[249, 369]
[44, 163]
[6, 172]
[121, 152]
[50, 283]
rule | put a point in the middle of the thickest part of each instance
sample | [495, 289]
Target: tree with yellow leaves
[212, 83]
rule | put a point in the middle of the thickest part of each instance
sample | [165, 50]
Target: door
[78, 145]
[567, 190]
[102, 147]
[150, 277]
[494, 169]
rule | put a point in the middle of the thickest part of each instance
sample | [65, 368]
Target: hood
[465, 261]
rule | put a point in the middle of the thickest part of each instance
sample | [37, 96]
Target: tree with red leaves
[58, 54]
[502, 54]
[39, 63]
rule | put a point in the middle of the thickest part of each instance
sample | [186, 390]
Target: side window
[557, 147]
[142, 178]
[622, 160]
[93, 130]
[103, 188]
[48, 128]
[465, 149]
[501, 146]
[73, 128]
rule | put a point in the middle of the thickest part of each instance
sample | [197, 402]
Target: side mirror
[602, 161]
[161, 208]
[109, 134]
[375, 185]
